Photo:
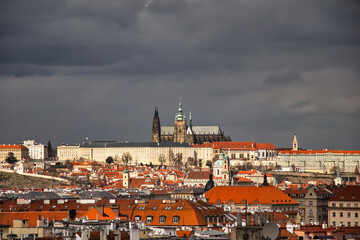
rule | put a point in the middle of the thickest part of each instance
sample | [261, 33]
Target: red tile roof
[252, 194]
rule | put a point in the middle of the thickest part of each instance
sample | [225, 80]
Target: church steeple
[155, 134]
[295, 144]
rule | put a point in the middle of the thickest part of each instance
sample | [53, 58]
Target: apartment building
[313, 204]
[343, 207]
[256, 198]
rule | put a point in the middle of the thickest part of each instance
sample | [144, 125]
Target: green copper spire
[180, 116]
[190, 119]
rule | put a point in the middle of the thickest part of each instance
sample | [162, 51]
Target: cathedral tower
[180, 125]
[155, 135]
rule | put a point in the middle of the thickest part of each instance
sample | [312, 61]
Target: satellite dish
[271, 231]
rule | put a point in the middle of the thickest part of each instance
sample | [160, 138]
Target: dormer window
[162, 219]
[149, 219]
[176, 219]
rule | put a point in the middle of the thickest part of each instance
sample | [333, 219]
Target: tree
[171, 158]
[192, 161]
[278, 167]
[293, 168]
[49, 150]
[357, 171]
[109, 160]
[209, 163]
[333, 170]
[11, 158]
[126, 158]
[69, 165]
[162, 159]
[178, 160]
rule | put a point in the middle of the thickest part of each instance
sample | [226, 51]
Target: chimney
[238, 219]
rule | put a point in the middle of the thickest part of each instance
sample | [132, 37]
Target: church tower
[155, 135]
[126, 178]
[190, 138]
[295, 144]
[180, 125]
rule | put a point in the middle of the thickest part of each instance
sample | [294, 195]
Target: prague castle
[181, 132]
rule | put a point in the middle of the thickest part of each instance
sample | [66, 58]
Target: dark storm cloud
[283, 78]
[262, 70]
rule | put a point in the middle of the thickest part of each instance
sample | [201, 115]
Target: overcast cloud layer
[262, 70]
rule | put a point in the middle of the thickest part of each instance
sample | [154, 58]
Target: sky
[261, 70]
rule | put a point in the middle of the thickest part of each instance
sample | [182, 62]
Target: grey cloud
[283, 78]
[261, 70]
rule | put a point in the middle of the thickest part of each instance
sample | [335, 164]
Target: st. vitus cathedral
[181, 132]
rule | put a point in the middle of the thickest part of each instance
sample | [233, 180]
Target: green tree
[109, 160]
[49, 147]
[126, 158]
[11, 158]
[209, 163]
[278, 167]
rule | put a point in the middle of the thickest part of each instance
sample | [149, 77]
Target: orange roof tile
[252, 194]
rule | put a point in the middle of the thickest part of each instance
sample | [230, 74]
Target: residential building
[20, 151]
[313, 204]
[37, 151]
[164, 216]
[343, 207]
[256, 198]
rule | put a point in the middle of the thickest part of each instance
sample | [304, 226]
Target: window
[341, 205]
[356, 224]
[149, 219]
[310, 203]
[349, 224]
[334, 214]
[162, 219]
[333, 205]
[167, 208]
[141, 208]
[348, 214]
[356, 205]
[356, 215]
[334, 224]
[310, 212]
[348, 205]
[176, 219]
[137, 218]
[341, 214]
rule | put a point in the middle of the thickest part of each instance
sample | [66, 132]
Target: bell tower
[180, 125]
[155, 134]
[295, 144]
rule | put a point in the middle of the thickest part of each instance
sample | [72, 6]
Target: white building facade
[36, 150]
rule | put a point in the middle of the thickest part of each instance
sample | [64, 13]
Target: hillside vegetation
[13, 180]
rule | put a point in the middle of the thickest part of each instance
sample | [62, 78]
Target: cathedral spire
[190, 120]
[155, 135]
[180, 115]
